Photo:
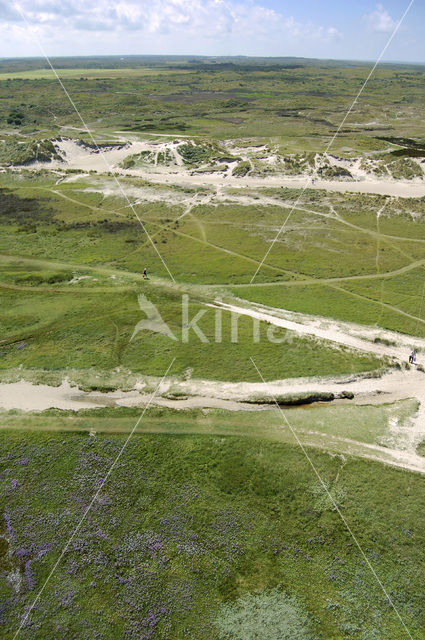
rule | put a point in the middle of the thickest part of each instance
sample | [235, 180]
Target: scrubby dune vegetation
[213, 524]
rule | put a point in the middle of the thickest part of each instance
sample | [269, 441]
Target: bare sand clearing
[26, 396]
[83, 158]
[380, 187]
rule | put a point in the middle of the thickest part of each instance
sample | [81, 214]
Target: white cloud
[184, 18]
[380, 20]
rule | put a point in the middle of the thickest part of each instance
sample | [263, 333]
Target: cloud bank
[307, 28]
[186, 22]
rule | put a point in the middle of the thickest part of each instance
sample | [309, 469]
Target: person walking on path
[412, 357]
[145, 274]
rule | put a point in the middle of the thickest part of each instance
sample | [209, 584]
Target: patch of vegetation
[294, 399]
[242, 169]
[405, 142]
[218, 168]
[420, 449]
[405, 168]
[165, 158]
[138, 159]
[298, 163]
[386, 341]
[16, 152]
[331, 172]
[28, 212]
[44, 278]
[195, 154]
[15, 118]
[266, 614]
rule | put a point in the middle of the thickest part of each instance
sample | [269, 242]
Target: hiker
[412, 357]
[145, 274]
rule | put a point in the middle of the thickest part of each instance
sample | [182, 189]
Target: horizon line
[122, 56]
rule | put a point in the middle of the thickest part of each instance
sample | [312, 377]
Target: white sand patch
[29, 397]
[76, 156]
[26, 396]
[79, 278]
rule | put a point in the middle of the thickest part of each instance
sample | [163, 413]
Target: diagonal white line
[371, 72]
[98, 149]
[91, 503]
[337, 509]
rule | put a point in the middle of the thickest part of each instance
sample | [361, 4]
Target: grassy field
[82, 74]
[190, 524]
[336, 256]
[86, 328]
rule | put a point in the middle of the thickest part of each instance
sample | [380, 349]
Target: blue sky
[308, 28]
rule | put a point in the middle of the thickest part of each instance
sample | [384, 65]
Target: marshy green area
[213, 522]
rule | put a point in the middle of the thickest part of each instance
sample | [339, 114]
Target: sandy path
[379, 187]
[360, 337]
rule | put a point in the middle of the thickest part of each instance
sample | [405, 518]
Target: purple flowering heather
[9, 529]
[29, 575]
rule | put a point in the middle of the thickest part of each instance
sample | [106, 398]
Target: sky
[308, 28]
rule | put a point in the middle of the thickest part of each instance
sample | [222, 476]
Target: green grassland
[71, 262]
[298, 103]
[83, 328]
[190, 524]
[335, 257]
[335, 426]
[82, 74]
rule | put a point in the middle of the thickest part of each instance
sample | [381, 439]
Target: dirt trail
[377, 187]
[351, 335]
